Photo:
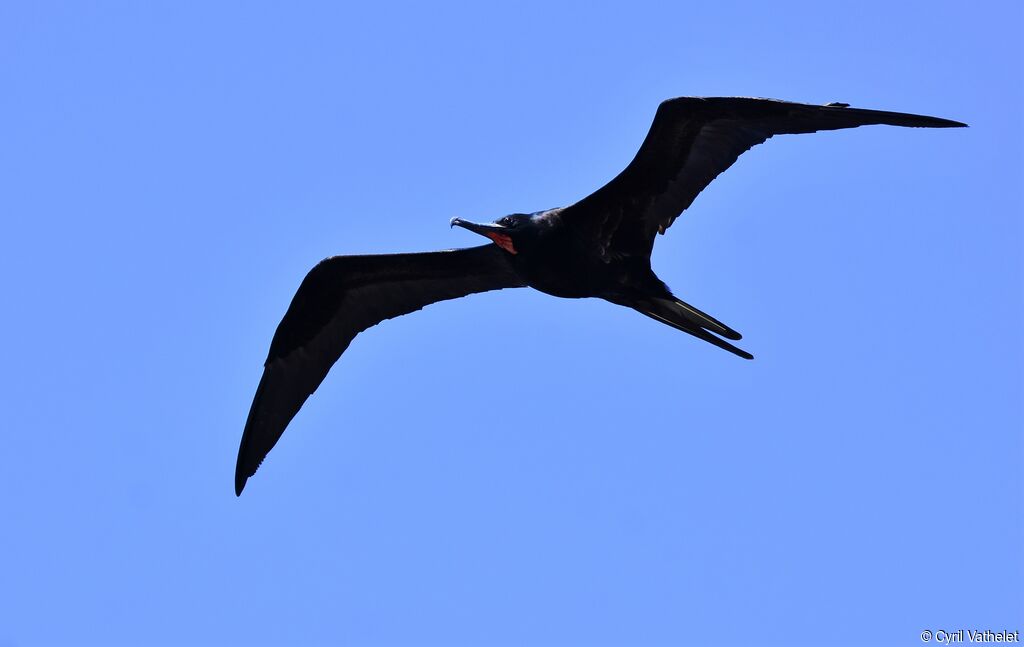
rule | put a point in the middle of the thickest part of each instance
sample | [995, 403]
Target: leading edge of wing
[758, 107]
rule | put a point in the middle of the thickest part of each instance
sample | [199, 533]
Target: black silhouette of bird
[599, 247]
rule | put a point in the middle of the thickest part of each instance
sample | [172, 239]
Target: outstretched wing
[691, 141]
[338, 299]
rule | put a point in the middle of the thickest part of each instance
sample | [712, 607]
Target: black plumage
[599, 247]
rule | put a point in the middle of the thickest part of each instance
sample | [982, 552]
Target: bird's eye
[507, 222]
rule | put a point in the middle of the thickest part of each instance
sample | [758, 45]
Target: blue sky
[507, 469]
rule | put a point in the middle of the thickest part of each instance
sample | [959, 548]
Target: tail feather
[704, 320]
[682, 316]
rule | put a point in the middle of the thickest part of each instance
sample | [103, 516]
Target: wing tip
[240, 476]
[903, 118]
[939, 122]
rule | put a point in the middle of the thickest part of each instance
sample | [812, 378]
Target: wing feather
[691, 141]
[339, 298]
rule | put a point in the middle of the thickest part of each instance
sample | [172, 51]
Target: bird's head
[514, 233]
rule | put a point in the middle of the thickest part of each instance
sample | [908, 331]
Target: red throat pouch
[503, 241]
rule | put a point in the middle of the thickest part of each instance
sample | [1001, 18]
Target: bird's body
[558, 263]
[598, 247]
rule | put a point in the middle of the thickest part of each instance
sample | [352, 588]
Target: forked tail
[683, 316]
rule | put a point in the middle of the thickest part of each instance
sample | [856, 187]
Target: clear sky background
[510, 468]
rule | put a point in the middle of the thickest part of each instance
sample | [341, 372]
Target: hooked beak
[497, 233]
[475, 227]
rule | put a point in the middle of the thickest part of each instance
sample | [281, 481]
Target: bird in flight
[599, 247]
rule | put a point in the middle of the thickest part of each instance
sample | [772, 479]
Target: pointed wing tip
[240, 481]
[948, 123]
[914, 121]
[243, 469]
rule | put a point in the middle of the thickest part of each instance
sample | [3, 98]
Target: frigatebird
[599, 247]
